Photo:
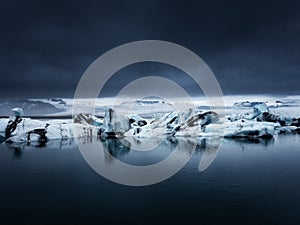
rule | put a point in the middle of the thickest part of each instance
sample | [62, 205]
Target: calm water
[247, 183]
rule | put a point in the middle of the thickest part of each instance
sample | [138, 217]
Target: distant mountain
[32, 107]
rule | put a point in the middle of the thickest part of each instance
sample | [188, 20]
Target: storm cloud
[252, 47]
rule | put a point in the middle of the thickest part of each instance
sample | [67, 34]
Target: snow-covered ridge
[33, 107]
[63, 106]
[57, 102]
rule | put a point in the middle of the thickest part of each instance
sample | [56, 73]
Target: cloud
[252, 47]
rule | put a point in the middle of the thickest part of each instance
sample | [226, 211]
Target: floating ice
[114, 123]
[260, 108]
[29, 130]
[259, 123]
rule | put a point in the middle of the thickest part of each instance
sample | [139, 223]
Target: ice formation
[29, 130]
[259, 123]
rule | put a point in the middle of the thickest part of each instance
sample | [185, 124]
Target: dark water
[247, 183]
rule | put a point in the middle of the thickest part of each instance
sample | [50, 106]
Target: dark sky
[45, 46]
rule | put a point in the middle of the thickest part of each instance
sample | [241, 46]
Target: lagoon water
[247, 183]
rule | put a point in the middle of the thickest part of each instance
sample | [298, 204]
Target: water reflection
[20, 148]
[120, 148]
[124, 149]
[114, 148]
[251, 141]
[18, 153]
[237, 181]
[118, 161]
[118, 152]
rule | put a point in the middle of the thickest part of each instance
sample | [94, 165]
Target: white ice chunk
[260, 108]
[245, 128]
[18, 111]
[115, 123]
[55, 129]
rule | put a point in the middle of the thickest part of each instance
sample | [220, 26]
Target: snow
[260, 108]
[247, 118]
[18, 111]
[56, 129]
[115, 123]
[251, 129]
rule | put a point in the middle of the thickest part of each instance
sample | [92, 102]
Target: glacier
[246, 119]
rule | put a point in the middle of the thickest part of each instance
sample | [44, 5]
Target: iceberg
[114, 124]
[249, 129]
[29, 130]
[193, 122]
[260, 108]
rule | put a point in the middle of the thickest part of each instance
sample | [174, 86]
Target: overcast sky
[251, 46]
